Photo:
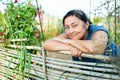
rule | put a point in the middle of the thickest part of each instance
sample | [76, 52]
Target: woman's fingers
[79, 53]
[75, 52]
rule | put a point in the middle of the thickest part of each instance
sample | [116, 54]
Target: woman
[80, 36]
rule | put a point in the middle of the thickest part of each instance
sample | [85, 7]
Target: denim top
[110, 45]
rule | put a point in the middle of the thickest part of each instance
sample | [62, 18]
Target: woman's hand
[75, 52]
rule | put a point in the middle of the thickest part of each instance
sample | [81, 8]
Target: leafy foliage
[22, 23]
[111, 12]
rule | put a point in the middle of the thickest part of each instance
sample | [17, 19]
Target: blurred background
[24, 18]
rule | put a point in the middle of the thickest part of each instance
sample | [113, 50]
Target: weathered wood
[27, 47]
[19, 40]
[94, 56]
[62, 69]
[44, 62]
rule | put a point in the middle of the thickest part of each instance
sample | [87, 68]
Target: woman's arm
[54, 45]
[97, 45]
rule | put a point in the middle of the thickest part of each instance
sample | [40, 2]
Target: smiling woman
[81, 36]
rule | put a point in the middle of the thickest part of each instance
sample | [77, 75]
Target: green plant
[22, 23]
[23, 64]
[3, 29]
[97, 20]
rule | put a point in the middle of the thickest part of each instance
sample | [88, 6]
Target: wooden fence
[47, 68]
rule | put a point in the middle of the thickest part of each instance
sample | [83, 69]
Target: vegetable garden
[23, 29]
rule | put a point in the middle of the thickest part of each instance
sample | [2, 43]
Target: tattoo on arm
[100, 39]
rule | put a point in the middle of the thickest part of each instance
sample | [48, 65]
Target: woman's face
[75, 28]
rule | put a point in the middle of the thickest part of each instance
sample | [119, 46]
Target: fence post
[44, 62]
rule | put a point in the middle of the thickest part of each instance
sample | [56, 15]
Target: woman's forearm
[96, 46]
[85, 46]
[52, 45]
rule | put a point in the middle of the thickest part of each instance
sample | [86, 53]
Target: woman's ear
[87, 24]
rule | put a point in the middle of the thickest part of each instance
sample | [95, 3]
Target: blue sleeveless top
[110, 45]
[110, 48]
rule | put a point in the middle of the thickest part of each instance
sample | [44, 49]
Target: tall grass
[53, 28]
[23, 64]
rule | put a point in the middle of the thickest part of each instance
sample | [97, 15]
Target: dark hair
[79, 14]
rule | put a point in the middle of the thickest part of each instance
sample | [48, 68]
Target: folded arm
[96, 45]
[54, 45]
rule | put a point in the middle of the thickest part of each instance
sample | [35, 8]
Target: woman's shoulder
[95, 28]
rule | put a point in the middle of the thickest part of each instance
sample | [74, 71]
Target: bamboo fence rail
[95, 56]
[59, 69]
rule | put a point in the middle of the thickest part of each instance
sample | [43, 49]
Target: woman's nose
[71, 30]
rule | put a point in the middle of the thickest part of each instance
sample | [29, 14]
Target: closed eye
[74, 26]
[66, 27]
